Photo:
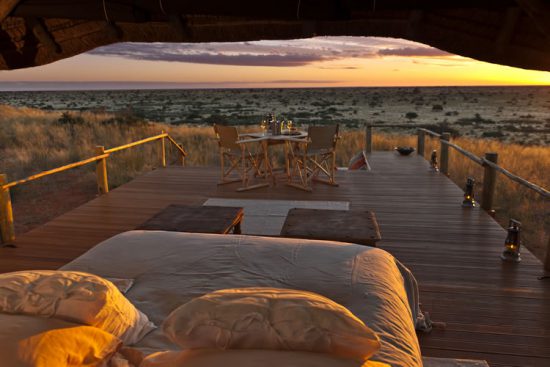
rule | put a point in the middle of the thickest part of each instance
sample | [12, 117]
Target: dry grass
[512, 200]
[33, 140]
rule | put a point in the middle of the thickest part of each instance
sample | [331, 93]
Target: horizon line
[146, 85]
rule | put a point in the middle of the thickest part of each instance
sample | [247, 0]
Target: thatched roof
[508, 32]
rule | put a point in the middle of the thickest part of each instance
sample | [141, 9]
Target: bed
[171, 268]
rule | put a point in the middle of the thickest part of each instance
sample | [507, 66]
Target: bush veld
[411, 115]
[34, 140]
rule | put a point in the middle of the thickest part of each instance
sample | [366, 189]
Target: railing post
[182, 156]
[163, 151]
[368, 139]
[420, 143]
[547, 261]
[101, 171]
[444, 155]
[489, 182]
[6, 213]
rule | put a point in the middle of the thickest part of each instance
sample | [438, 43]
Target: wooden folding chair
[236, 160]
[313, 156]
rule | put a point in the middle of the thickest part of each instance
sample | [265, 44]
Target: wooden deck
[492, 310]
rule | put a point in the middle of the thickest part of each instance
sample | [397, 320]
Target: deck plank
[487, 309]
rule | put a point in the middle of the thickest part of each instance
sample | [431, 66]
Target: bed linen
[250, 358]
[34, 341]
[78, 297]
[171, 268]
[270, 318]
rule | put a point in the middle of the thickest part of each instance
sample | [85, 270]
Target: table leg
[258, 154]
[287, 160]
[267, 162]
[237, 228]
[244, 168]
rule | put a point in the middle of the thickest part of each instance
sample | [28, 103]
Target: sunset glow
[317, 62]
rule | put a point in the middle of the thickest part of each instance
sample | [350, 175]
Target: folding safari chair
[314, 156]
[236, 160]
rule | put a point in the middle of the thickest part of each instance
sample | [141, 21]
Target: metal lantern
[512, 243]
[433, 161]
[469, 201]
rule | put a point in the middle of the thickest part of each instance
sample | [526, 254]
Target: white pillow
[30, 341]
[73, 296]
[250, 358]
[270, 318]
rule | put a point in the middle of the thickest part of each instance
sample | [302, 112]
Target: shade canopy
[508, 32]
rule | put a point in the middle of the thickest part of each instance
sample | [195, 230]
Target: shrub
[218, 119]
[68, 119]
[492, 134]
[442, 127]
[411, 115]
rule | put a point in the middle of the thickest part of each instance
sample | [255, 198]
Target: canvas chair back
[227, 137]
[322, 138]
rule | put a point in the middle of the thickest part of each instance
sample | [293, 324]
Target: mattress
[171, 268]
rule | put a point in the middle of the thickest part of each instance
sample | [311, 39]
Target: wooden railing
[488, 162]
[7, 230]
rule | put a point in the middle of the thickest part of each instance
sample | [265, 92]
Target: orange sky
[323, 61]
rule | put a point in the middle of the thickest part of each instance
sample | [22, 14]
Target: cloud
[337, 67]
[286, 53]
[413, 52]
[442, 64]
[305, 81]
[241, 54]
[124, 85]
[222, 59]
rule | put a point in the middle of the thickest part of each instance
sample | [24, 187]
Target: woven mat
[266, 217]
[450, 362]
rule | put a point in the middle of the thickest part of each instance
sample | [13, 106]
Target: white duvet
[171, 268]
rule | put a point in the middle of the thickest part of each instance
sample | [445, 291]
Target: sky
[315, 62]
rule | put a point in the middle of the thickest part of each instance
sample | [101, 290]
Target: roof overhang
[508, 32]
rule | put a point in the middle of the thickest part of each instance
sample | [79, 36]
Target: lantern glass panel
[512, 244]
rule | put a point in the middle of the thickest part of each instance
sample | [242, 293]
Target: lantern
[433, 161]
[512, 243]
[469, 201]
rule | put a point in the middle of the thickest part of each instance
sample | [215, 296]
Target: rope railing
[178, 146]
[7, 231]
[430, 132]
[465, 152]
[482, 161]
[55, 170]
[541, 190]
[135, 143]
[489, 162]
